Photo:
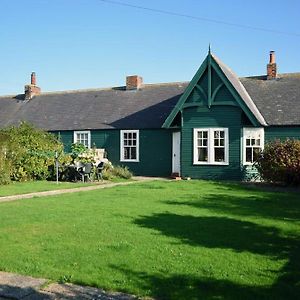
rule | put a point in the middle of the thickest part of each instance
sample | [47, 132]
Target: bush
[4, 162]
[110, 172]
[4, 169]
[29, 152]
[280, 162]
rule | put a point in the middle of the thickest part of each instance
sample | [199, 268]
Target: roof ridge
[279, 75]
[114, 88]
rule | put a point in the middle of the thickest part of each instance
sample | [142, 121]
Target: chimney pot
[272, 67]
[32, 89]
[33, 78]
[134, 82]
[272, 57]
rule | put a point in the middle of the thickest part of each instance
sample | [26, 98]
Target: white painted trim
[122, 145]
[211, 154]
[82, 132]
[258, 131]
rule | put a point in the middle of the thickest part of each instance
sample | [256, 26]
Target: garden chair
[85, 171]
[99, 170]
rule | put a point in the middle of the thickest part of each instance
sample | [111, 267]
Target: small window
[211, 146]
[129, 145]
[83, 137]
[253, 142]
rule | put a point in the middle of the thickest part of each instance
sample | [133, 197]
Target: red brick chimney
[272, 67]
[32, 89]
[134, 82]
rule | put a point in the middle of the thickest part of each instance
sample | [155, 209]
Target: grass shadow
[179, 286]
[219, 232]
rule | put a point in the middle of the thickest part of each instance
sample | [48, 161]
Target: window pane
[222, 142]
[204, 142]
[219, 154]
[247, 142]
[133, 153]
[202, 154]
[248, 154]
[256, 152]
[126, 153]
[217, 134]
[205, 134]
[216, 142]
[222, 134]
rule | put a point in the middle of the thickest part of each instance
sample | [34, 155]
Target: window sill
[210, 164]
[129, 160]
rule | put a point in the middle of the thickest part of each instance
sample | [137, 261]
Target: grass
[168, 240]
[16, 188]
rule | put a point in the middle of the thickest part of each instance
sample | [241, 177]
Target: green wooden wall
[155, 149]
[217, 116]
[282, 133]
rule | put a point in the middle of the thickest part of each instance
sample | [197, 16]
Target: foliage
[280, 162]
[160, 239]
[28, 151]
[80, 153]
[64, 161]
[77, 149]
[4, 162]
[110, 172]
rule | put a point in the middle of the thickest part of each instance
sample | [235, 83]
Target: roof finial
[208, 48]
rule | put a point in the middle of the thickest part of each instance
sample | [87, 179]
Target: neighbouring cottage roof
[94, 109]
[276, 101]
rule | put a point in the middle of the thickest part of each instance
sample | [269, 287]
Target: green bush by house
[280, 162]
[26, 153]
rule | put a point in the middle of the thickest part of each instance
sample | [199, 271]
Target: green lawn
[168, 240]
[16, 188]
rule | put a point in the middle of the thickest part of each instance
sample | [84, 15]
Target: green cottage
[212, 127]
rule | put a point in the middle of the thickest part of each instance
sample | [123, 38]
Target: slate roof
[277, 102]
[234, 80]
[94, 109]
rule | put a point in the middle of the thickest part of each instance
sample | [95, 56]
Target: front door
[176, 153]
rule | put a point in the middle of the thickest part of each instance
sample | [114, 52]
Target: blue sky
[75, 44]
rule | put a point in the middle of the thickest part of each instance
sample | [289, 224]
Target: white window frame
[82, 132]
[252, 133]
[211, 147]
[122, 153]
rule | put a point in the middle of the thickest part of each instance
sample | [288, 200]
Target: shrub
[280, 162]
[4, 169]
[122, 172]
[4, 162]
[29, 151]
[110, 172]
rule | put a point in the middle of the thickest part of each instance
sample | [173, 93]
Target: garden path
[103, 185]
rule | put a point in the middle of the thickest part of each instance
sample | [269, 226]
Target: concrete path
[79, 189]
[18, 287]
